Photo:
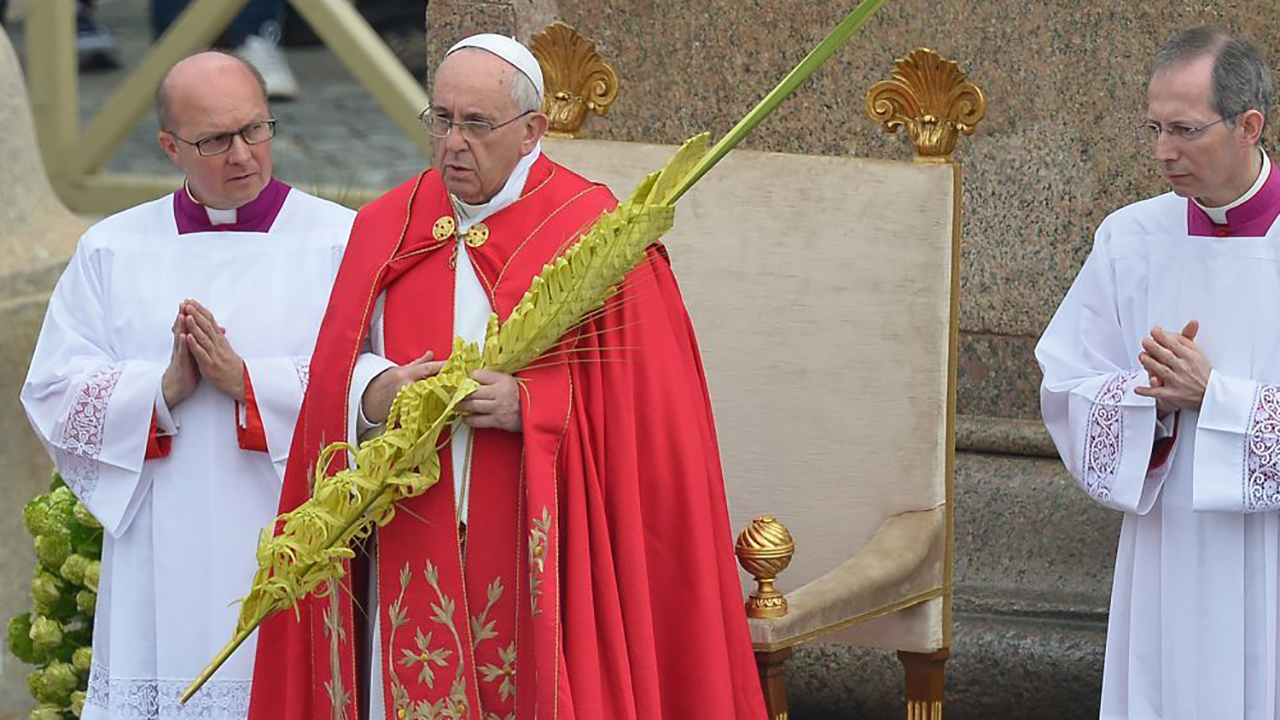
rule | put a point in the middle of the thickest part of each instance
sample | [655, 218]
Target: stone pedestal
[37, 235]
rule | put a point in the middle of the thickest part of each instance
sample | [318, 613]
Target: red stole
[599, 579]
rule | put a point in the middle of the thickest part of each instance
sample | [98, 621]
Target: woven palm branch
[307, 552]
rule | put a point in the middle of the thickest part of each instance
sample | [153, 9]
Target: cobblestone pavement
[334, 134]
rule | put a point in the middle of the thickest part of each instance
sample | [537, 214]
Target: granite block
[1000, 669]
[998, 376]
[448, 21]
[1055, 154]
[1028, 540]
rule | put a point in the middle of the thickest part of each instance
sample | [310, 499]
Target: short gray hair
[525, 94]
[1241, 78]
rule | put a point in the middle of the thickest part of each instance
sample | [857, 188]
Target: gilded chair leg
[924, 683]
[773, 679]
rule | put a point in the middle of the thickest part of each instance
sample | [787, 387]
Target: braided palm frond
[584, 276]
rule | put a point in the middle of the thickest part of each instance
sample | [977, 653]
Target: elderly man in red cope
[166, 382]
[597, 578]
[1162, 391]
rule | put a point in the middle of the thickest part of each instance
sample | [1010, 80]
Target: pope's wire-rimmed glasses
[438, 126]
[254, 133]
[1150, 131]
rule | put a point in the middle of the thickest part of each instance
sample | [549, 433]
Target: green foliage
[18, 638]
[86, 601]
[55, 636]
[81, 659]
[54, 683]
[53, 548]
[47, 712]
[73, 568]
[45, 588]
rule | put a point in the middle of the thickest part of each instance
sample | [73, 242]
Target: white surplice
[1193, 624]
[181, 530]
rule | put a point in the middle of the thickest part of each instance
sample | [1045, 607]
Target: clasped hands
[1177, 370]
[201, 351]
[495, 404]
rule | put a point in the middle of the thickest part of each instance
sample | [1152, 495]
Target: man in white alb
[166, 383]
[1162, 392]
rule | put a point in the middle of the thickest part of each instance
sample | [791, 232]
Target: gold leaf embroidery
[537, 557]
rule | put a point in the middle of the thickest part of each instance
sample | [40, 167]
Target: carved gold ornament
[930, 97]
[576, 79]
[765, 549]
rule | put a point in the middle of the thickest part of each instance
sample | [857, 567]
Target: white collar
[1219, 214]
[216, 217]
[468, 214]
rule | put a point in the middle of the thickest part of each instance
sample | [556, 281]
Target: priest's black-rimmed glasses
[1150, 131]
[255, 133]
[473, 130]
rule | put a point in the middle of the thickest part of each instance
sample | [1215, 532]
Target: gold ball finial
[765, 549]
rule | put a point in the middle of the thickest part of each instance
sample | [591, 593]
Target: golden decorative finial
[576, 79]
[930, 97]
[765, 549]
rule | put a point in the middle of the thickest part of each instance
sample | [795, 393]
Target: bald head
[203, 74]
[214, 100]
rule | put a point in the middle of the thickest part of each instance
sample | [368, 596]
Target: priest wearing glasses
[575, 559]
[165, 385]
[1162, 392]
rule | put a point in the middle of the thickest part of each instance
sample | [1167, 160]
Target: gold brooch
[443, 229]
[477, 235]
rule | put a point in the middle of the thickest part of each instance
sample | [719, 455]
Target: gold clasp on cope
[477, 235]
[443, 229]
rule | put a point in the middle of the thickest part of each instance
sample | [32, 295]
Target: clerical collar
[469, 214]
[1219, 214]
[257, 215]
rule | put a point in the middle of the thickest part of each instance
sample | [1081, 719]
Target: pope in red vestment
[596, 578]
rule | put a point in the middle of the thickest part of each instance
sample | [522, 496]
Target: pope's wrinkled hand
[183, 374]
[219, 363]
[495, 404]
[382, 390]
[1178, 369]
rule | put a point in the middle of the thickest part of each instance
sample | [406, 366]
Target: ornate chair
[824, 293]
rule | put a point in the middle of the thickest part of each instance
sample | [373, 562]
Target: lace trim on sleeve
[1104, 438]
[150, 698]
[82, 433]
[1262, 452]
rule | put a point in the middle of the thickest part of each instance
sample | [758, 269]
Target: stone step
[1001, 668]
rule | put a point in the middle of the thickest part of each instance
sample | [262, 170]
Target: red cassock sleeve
[158, 445]
[251, 435]
[1161, 449]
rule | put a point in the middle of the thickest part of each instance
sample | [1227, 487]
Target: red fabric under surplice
[599, 579]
